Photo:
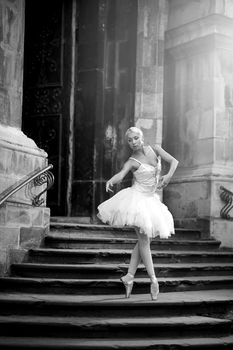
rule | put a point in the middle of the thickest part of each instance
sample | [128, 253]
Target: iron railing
[34, 179]
[227, 197]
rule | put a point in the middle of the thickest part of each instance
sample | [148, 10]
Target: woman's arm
[165, 179]
[119, 176]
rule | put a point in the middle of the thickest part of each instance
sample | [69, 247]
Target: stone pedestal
[21, 225]
[198, 113]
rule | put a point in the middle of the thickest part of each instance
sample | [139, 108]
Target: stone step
[103, 256]
[200, 343]
[68, 242]
[115, 271]
[85, 230]
[108, 327]
[112, 286]
[217, 303]
[87, 220]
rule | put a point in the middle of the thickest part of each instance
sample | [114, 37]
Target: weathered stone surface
[149, 69]
[83, 305]
[18, 216]
[16, 256]
[20, 227]
[19, 157]
[37, 217]
[19, 154]
[31, 237]
[122, 256]
[188, 199]
[3, 261]
[87, 295]
[46, 217]
[9, 237]
[11, 56]
[198, 104]
[222, 229]
[192, 10]
[121, 344]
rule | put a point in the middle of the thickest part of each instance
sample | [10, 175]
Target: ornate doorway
[46, 98]
[79, 89]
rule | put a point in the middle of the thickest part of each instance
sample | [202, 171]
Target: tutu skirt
[130, 207]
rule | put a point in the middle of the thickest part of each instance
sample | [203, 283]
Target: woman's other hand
[164, 181]
[108, 186]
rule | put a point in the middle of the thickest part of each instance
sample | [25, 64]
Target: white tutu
[130, 207]
[139, 205]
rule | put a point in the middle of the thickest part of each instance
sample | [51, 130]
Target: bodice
[146, 177]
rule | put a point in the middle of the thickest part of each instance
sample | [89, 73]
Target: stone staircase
[68, 295]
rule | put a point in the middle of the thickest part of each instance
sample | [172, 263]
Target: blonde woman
[140, 205]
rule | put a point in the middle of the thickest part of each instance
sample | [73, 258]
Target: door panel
[46, 77]
[85, 147]
[104, 97]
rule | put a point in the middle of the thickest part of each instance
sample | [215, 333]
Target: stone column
[198, 112]
[21, 225]
[152, 22]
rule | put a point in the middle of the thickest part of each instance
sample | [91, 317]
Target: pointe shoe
[154, 290]
[128, 286]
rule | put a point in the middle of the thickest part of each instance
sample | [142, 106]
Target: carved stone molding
[201, 45]
[205, 34]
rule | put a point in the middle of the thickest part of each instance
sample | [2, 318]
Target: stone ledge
[204, 172]
[200, 45]
[199, 29]
[14, 138]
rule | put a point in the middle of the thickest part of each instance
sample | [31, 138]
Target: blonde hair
[135, 130]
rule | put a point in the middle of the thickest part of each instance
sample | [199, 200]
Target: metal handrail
[39, 177]
[227, 197]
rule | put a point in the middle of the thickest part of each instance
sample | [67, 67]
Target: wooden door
[46, 95]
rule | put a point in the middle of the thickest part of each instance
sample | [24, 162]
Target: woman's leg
[145, 253]
[134, 260]
[140, 252]
[133, 265]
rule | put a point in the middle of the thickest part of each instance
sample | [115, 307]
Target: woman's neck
[139, 152]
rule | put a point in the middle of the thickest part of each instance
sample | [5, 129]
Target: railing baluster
[37, 178]
[227, 197]
[39, 181]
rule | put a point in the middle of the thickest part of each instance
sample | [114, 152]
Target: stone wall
[152, 23]
[11, 61]
[21, 225]
[197, 112]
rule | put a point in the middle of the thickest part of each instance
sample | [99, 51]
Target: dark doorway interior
[104, 97]
[47, 73]
[79, 88]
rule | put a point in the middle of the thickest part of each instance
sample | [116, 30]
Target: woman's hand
[164, 181]
[108, 186]
[117, 178]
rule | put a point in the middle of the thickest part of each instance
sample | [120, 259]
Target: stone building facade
[75, 74]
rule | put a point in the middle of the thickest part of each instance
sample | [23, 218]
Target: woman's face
[134, 140]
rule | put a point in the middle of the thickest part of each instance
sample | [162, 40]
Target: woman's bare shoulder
[154, 149]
